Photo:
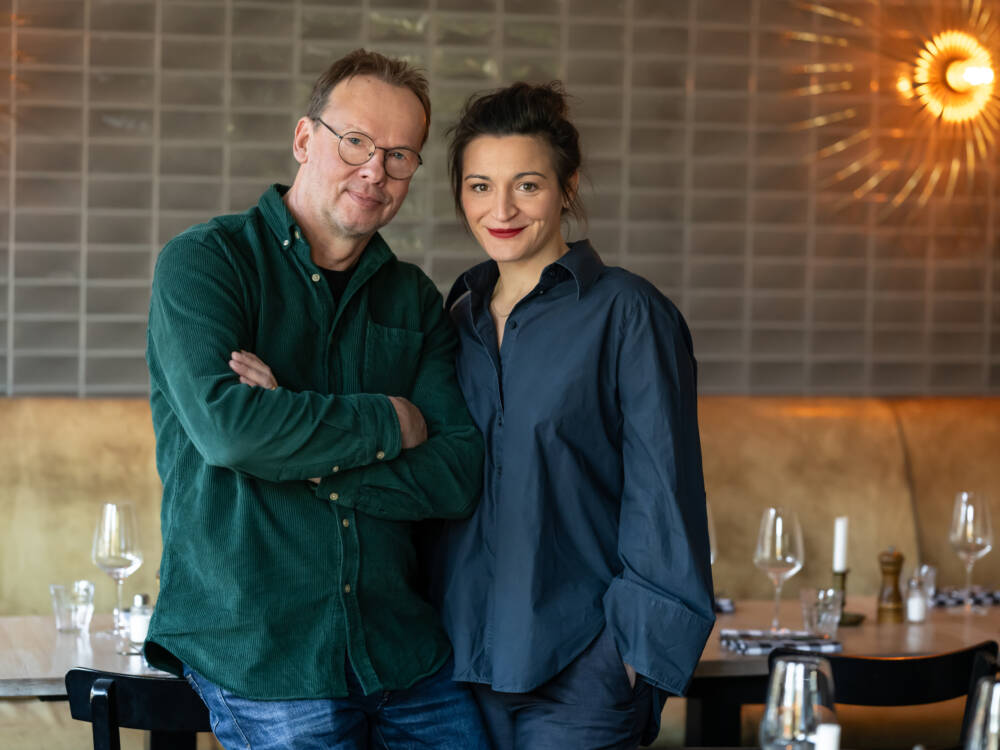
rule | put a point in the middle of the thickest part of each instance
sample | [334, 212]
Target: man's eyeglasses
[357, 148]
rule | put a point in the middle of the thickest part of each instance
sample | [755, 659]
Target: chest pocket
[392, 357]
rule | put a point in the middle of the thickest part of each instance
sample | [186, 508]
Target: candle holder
[847, 619]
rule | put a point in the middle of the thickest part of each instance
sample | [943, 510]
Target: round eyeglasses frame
[371, 149]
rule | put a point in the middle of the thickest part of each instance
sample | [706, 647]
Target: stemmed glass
[116, 552]
[971, 536]
[799, 699]
[779, 551]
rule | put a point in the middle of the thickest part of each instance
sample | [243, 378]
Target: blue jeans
[435, 713]
[589, 705]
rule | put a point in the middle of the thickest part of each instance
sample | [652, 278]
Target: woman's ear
[569, 195]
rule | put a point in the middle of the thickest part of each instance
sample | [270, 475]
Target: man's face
[353, 201]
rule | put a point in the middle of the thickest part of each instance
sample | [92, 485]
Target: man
[288, 582]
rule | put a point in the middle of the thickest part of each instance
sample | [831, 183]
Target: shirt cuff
[658, 635]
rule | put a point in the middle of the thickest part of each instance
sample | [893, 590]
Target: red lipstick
[505, 234]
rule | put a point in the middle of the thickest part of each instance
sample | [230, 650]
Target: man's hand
[412, 427]
[252, 370]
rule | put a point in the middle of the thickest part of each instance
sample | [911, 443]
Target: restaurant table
[34, 659]
[725, 680]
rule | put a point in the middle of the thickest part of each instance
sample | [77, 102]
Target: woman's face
[511, 198]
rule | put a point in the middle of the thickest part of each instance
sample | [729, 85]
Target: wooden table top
[34, 656]
[944, 630]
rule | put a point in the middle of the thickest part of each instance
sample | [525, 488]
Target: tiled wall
[124, 121]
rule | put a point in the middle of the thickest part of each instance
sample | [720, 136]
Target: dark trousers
[588, 706]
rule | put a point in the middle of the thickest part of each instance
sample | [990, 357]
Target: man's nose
[374, 168]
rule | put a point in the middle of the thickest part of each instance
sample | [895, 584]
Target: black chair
[167, 707]
[907, 680]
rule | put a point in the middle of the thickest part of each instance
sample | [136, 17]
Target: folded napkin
[955, 597]
[756, 642]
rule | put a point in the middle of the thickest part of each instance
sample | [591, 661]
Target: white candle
[840, 544]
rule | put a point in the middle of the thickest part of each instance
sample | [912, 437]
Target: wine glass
[779, 550]
[984, 729]
[711, 534]
[971, 536]
[799, 700]
[116, 552]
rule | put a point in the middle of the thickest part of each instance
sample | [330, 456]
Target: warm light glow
[953, 76]
[904, 87]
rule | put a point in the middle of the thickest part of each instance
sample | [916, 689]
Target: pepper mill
[890, 600]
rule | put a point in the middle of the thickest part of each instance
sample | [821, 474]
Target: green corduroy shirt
[270, 584]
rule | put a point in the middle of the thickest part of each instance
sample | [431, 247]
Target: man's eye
[353, 140]
[397, 155]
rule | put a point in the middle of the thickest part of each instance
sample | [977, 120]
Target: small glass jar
[916, 600]
[138, 621]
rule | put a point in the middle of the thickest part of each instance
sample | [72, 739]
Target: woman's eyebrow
[476, 177]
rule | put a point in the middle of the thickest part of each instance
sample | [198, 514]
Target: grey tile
[111, 265]
[262, 92]
[596, 37]
[770, 342]
[267, 163]
[716, 340]
[843, 276]
[172, 224]
[841, 245]
[777, 377]
[485, 6]
[386, 26]
[196, 19]
[722, 43]
[773, 210]
[604, 105]
[50, 122]
[945, 343]
[596, 8]
[898, 310]
[675, 10]
[718, 208]
[62, 265]
[120, 158]
[726, 376]
[327, 24]
[266, 22]
[183, 125]
[116, 370]
[121, 88]
[242, 195]
[655, 106]
[40, 48]
[123, 300]
[52, 299]
[195, 90]
[39, 85]
[109, 122]
[899, 343]
[106, 192]
[726, 274]
[664, 273]
[782, 177]
[844, 343]
[959, 279]
[115, 335]
[719, 143]
[477, 30]
[773, 309]
[958, 311]
[785, 276]
[531, 68]
[182, 54]
[646, 173]
[779, 243]
[50, 14]
[719, 76]
[463, 65]
[261, 56]
[30, 335]
[47, 227]
[49, 157]
[255, 126]
[191, 196]
[838, 376]
[400, 4]
[783, 145]
[652, 39]
[666, 74]
[656, 207]
[118, 52]
[665, 238]
[190, 160]
[954, 376]
[706, 240]
[119, 230]
[714, 307]
[721, 110]
[122, 16]
[34, 371]
[47, 192]
[547, 7]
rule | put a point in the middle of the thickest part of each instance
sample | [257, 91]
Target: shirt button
[284, 243]
[347, 524]
[315, 277]
[298, 235]
[380, 455]
[347, 588]
[335, 469]
[334, 496]
[513, 324]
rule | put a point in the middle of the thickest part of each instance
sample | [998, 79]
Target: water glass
[799, 700]
[72, 605]
[984, 731]
[821, 611]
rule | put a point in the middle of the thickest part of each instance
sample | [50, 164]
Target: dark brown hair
[520, 109]
[361, 62]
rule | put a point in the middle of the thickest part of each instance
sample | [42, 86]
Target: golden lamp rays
[905, 95]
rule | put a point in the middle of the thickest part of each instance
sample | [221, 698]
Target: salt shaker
[916, 600]
[138, 621]
[827, 737]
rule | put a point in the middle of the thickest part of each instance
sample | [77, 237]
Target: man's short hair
[361, 62]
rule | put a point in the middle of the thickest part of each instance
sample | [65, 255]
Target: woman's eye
[528, 187]
[479, 187]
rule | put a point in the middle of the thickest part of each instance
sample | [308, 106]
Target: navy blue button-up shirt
[593, 506]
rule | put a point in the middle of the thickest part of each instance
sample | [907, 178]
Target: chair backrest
[157, 704]
[907, 680]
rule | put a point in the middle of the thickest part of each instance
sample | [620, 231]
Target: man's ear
[304, 130]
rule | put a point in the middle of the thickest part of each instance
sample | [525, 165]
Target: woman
[579, 592]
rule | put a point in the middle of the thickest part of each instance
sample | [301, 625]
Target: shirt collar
[582, 263]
